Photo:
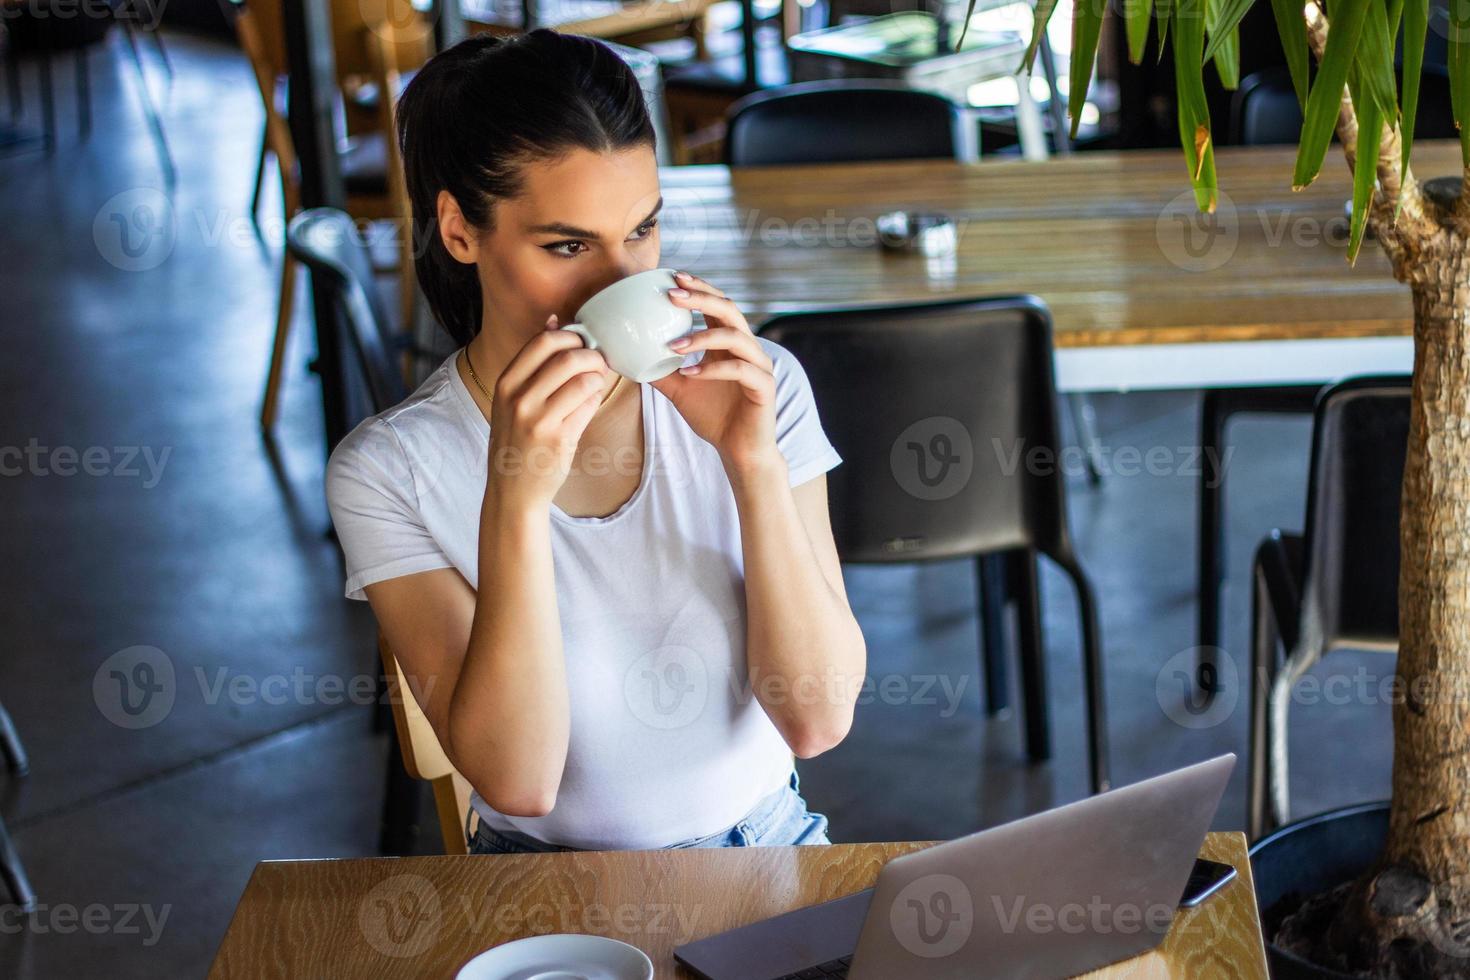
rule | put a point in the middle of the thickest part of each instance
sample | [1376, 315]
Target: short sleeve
[799, 433]
[374, 508]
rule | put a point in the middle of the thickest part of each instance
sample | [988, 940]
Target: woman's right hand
[543, 401]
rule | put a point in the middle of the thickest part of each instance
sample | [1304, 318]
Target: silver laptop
[1052, 895]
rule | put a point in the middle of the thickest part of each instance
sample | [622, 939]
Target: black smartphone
[1207, 878]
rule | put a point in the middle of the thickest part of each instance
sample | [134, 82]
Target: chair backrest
[945, 415]
[329, 243]
[846, 120]
[1264, 109]
[424, 757]
[1360, 436]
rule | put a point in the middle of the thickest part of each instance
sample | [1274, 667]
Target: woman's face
[582, 222]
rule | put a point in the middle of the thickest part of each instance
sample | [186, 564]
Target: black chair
[1264, 109]
[1336, 586]
[936, 409]
[328, 243]
[844, 121]
[11, 870]
[47, 31]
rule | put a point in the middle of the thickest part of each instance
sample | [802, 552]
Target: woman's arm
[498, 700]
[804, 650]
[487, 667]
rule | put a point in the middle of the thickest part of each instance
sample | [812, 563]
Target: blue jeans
[780, 818]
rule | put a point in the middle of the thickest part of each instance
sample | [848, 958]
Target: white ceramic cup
[632, 322]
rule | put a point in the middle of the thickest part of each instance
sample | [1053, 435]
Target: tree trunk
[1409, 915]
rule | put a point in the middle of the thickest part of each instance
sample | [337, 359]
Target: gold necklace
[491, 398]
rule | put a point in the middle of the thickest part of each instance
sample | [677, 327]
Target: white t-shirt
[667, 739]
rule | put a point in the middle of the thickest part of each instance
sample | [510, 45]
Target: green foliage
[1359, 55]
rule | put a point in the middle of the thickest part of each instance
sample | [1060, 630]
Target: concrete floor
[191, 539]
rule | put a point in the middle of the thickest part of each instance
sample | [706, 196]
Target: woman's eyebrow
[572, 231]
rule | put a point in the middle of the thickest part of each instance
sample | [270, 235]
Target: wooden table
[425, 917]
[591, 18]
[1104, 238]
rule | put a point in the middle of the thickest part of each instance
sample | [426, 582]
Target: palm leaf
[1087, 18]
[1320, 117]
[1228, 16]
[1416, 27]
[1365, 164]
[1459, 65]
[1137, 14]
[1293, 31]
[1044, 10]
[1194, 111]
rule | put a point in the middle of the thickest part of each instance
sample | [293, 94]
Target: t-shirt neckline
[482, 425]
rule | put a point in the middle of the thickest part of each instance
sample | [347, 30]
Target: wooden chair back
[424, 757]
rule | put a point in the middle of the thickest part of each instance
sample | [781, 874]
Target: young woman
[619, 604]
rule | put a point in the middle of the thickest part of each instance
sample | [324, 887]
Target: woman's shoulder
[389, 446]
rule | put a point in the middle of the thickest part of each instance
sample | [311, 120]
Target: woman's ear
[454, 231]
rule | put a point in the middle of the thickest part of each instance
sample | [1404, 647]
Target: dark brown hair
[477, 113]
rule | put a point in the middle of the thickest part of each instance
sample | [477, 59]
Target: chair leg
[991, 583]
[1263, 670]
[150, 111]
[282, 340]
[1026, 593]
[10, 745]
[1211, 437]
[1084, 419]
[48, 104]
[12, 83]
[259, 187]
[14, 873]
[1092, 675]
[84, 95]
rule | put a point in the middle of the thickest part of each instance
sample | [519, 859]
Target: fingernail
[691, 369]
[682, 275]
[676, 291]
[680, 342]
[551, 322]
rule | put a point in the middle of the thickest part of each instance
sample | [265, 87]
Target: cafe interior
[1119, 428]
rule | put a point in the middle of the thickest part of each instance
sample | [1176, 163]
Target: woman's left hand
[729, 397]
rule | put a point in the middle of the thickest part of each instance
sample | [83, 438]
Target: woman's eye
[573, 248]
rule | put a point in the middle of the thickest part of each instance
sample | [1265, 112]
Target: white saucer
[559, 957]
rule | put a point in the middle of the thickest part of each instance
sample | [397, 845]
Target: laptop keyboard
[832, 968]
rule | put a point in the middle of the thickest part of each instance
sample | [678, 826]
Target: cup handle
[582, 332]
